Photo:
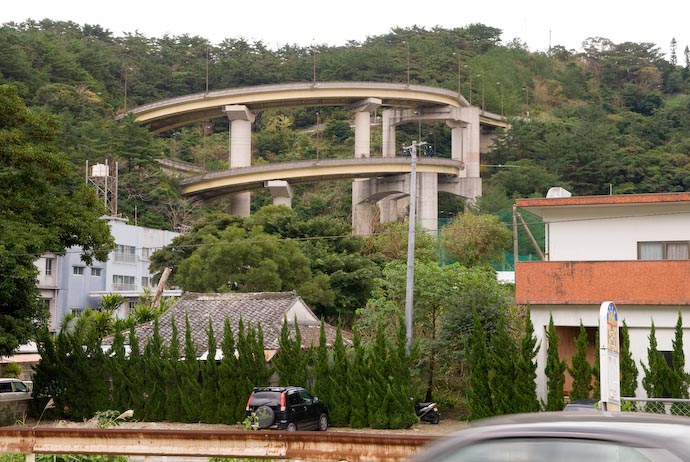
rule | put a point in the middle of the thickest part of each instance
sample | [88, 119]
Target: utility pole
[409, 287]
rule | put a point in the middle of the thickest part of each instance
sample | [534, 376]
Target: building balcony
[665, 282]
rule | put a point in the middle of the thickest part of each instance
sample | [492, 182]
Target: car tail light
[250, 400]
[282, 402]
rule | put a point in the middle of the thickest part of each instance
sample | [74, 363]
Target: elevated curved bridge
[170, 113]
[240, 179]
[377, 181]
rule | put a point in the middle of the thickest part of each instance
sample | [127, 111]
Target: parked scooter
[428, 412]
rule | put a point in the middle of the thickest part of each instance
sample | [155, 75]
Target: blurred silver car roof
[625, 428]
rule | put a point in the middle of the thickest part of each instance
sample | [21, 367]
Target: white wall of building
[611, 232]
[637, 318]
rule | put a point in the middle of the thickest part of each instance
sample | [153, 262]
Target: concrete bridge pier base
[240, 155]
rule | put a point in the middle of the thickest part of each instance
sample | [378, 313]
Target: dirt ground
[445, 426]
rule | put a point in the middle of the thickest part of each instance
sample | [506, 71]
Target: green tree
[358, 388]
[34, 183]
[171, 376]
[656, 373]
[581, 370]
[154, 363]
[189, 378]
[340, 411]
[628, 368]
[210, 395]
[473, 238]
[526, 370]
[228, 372]
[503, 379]
[554, 370]
[243, 260]
[679, 381]
[291, 362]
[479, 399]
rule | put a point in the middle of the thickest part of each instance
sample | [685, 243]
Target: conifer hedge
[362, 385]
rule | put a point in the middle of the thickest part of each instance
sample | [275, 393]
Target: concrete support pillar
[470, 141]
[240, 155]
[281, 192]
[362, 134]
[388, 134]
[427, 202]
[363, 212]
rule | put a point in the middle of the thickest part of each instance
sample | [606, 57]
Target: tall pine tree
[228, 373]
[555, 371]
[503, 379]
[581, 370]
[209, 380]
[526, 370]
[189, 378]
[627, 365]
[656, 374]
[479, 399]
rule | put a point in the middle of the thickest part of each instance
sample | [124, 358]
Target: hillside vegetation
[613, 117]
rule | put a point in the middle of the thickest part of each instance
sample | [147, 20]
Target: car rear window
[269, 398]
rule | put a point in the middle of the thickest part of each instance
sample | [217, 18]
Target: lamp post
[407, 48]
[317, 135]
[501, 87]
[459, 74]
[314, 51]
[469, 72]
[526, 90]
[483, 106]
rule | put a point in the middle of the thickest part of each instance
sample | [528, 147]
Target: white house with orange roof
[632, 249]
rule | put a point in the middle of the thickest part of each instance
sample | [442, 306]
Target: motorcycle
[428, 412]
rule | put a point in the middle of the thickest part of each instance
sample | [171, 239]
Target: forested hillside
[612, 118]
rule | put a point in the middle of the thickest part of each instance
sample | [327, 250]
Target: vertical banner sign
[609, 362]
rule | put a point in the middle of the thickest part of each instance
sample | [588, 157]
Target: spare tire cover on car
[265, 416]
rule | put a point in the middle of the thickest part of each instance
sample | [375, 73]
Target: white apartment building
[68, 285]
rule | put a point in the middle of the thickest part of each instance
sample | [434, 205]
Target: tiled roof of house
[260, 308]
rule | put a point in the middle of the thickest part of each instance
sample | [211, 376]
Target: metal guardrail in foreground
[333, 446]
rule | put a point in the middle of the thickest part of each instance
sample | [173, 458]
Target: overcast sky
[538, 23]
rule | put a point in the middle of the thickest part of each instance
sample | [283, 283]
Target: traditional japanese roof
[267, 309]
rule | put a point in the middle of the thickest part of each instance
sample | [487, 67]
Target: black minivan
[286, 408]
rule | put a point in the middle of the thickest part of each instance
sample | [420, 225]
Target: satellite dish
[558, 192]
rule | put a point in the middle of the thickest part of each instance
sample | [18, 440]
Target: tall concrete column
[388, 133]
[470, 141]
[363, 212]
[240, 155]
[427, 202]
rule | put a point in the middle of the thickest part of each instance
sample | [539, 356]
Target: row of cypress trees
[363, 385]
[503, 370]
[660, 380]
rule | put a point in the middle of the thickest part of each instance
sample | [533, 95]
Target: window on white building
[96, 272]
[663, 250]
[121, 282]
[146, 253]
[49, 267]
[145, 281]
[125, 254]
[78, 270]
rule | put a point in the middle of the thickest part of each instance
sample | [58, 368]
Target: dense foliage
[611, 117]
[83, 380]
[44, 209]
